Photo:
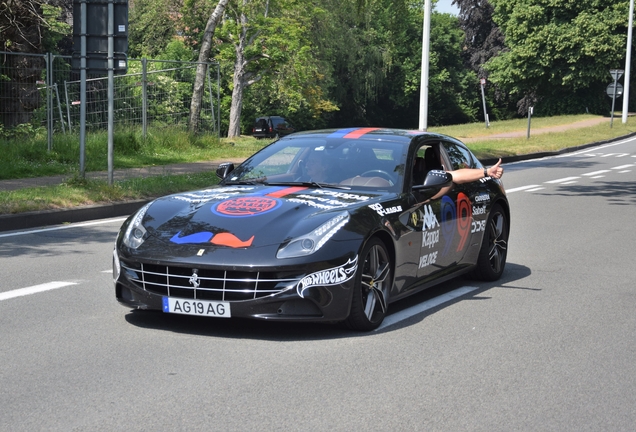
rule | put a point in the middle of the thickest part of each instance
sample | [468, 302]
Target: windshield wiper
[310, 183]
[246, 182]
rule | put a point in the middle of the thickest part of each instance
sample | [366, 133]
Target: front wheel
[494, 246]
[373, 282]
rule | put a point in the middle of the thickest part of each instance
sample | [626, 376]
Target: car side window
[459, 156]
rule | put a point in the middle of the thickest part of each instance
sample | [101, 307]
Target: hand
[496, 171]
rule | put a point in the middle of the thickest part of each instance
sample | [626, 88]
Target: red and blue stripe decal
[352, 133]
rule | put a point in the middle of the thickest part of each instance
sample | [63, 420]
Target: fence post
[144, 96]
[48, 60]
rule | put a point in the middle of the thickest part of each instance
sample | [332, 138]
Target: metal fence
[44, 91]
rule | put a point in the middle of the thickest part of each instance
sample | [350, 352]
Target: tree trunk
[234, 128]
[204, 55]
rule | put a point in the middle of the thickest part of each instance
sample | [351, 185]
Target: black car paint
[402, 231]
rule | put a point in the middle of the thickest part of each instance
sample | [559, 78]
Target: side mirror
[224, 170]
[435, 179]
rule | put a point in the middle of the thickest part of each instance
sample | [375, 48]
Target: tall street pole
[628, 61]
[424, 77]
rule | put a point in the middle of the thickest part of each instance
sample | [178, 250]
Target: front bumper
[284, 294]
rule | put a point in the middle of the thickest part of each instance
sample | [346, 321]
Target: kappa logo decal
[332, 276]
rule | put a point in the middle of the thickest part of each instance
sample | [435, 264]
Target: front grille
[219, 285]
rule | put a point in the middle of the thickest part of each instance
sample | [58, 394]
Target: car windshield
[324, 162]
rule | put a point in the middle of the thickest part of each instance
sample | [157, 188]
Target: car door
[470, 205]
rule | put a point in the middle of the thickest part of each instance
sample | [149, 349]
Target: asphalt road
[548, 347]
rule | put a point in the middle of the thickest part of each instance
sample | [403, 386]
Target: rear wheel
[494, 246]
[371, 291]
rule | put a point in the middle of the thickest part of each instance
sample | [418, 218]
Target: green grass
[76, 191]
[28, 157]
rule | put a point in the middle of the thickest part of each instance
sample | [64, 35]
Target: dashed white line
[623, 167]
[34, 289]
[535, 189]
[596, 173]
[429, 304]
[522, 188]
[563, 180]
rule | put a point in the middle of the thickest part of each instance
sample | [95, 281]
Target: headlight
[136, 233]
[310, 243]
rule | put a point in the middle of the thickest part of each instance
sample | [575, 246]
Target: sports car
[331, 226]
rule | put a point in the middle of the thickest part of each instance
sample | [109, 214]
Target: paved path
[119, 174]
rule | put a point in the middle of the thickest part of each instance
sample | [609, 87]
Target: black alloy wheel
[494, 246]
[374, 279]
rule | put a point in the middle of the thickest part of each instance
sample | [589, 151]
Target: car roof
[369, 133]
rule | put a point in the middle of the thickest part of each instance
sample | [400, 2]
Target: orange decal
[228, 239]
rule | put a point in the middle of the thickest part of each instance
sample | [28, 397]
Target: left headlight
[311, 242]
[136, 233]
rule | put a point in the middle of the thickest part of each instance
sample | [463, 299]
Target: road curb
[21, 221]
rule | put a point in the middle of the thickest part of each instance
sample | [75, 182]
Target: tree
[153, 25]
[33, 26]
[27, 26]
[204, 57]
[559, 52]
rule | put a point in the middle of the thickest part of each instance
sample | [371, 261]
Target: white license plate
[196, 307]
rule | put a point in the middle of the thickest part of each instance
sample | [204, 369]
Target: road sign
[616, 73]
[483, 81]
[610, 90]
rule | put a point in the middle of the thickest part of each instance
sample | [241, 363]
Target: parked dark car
[271, 127]
[328, 226]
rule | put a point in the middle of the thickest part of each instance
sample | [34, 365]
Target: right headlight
[135, 232]
[309, 243]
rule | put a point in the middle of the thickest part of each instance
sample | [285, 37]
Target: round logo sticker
[246, 206]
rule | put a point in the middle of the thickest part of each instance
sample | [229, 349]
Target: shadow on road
[289, 332]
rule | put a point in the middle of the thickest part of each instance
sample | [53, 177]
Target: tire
[373, 282]
[494, 246]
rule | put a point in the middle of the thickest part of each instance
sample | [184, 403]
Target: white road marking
[77, 225]
[34, 289]
[596, 173]
[521, 188]
[624, 171]
[609, 154]
[570, 182]
[623, 167]
[535, 189]
[429, 304]
[622, 155]
[563, 180]
[598, 176]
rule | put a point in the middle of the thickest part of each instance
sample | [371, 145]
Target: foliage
[559, 52]
[483, 40]
[153, 25]
[34, 26]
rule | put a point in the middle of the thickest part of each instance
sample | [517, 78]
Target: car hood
[247, 216]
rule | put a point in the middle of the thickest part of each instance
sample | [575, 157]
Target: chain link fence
[44, 91]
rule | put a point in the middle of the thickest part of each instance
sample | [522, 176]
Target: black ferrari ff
[330, 226]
